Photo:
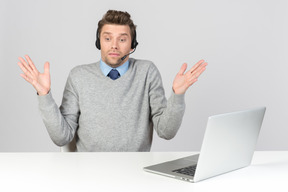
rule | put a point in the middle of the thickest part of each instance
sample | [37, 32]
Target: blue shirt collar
[122, 69]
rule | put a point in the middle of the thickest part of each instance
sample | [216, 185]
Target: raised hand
[40, 81]
[183, 81]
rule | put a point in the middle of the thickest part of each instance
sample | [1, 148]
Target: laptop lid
[229, 142]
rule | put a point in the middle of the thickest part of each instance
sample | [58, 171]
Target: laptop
[229, 143]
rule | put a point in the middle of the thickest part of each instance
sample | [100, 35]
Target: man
[114, 104]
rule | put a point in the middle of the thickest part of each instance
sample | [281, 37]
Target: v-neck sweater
[112, 115]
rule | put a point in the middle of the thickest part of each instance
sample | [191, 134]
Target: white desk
[82, 172]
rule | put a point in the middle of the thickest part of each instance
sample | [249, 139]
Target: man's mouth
[114, 54]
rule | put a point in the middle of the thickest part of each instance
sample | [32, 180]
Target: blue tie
[114, 74]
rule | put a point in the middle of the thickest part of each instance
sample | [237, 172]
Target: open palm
[40, 81]
[183, 80]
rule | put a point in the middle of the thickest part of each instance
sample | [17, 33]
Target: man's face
[115, 42]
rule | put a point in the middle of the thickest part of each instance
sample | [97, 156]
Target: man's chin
[113, 62]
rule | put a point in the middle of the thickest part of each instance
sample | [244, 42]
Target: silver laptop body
[229, 143]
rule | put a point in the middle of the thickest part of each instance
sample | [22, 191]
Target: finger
[196, 65]
[47, 68]
[24, 69]
[25, 64]
[22, 60]
[31, 64]
[197, 73]
[183, 69]
[26, 78]
[199, 68]
[192, 81]
[201, 71]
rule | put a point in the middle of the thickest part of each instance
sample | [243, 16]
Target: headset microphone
[124, 57]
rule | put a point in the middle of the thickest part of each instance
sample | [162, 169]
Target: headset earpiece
[134, 41]
[97, 43]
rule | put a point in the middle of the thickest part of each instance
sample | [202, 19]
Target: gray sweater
[112, 115]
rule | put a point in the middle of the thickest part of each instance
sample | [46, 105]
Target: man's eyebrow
[124, 34]
[106, 33]
[109, 33]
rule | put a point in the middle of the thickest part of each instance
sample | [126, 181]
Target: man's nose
[114, 44]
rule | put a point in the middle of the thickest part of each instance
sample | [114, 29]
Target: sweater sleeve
[166, 115]
[61, 123]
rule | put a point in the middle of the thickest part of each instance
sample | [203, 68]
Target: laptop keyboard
[187, 170]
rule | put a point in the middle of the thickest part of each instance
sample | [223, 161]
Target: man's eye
[122, 40]
[107, 39]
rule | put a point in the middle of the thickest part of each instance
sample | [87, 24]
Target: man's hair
[118, 18]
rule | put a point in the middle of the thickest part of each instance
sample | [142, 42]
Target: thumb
[47, 68]
[183, 69]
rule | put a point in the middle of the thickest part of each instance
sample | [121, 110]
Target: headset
[134, 42]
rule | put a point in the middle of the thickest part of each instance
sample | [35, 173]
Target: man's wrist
[42, 93]
[178, 92]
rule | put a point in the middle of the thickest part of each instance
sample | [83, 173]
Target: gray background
[244, 42]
